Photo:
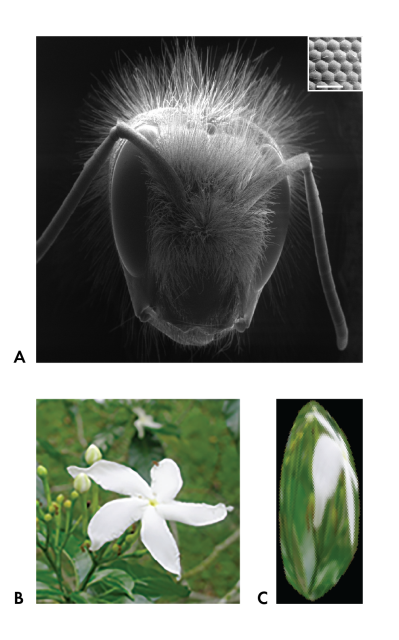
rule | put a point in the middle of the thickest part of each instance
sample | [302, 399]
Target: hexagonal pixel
[327, 56]
[335, 64]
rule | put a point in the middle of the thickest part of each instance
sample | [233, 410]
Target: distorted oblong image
[320, 503]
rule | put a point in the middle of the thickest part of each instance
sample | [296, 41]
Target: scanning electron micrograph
[335, 63]
[194, 204]
[319, 505]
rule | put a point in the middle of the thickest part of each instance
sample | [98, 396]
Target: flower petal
[140, 428]
[326, 466]
[146, 420]
[166, 480]
[153, 425]
[115, 477]
[197, 515]
[350, 501]
[159, 541]
[113, 519]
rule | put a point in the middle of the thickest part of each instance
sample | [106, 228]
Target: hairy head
[220, 128]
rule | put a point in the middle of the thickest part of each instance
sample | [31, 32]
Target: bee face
[194, 245]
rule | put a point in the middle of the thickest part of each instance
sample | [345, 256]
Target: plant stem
[94, 504]
[48, 531]
[68, 520]
[74, 526]
[96, 563]
[92, 570]
[83, 503]
[58, 517]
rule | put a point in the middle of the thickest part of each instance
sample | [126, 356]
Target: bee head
[195, 236]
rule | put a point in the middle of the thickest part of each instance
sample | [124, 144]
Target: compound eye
[129, 209]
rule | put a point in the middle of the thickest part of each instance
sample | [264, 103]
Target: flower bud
[82, 483]
[60, 498]
[93, 454]
[131, 538]
[48, 517]
[67, 504]
[74, 495]
[41, 471]
[52, 508]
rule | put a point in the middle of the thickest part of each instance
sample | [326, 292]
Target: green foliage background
[202, 436]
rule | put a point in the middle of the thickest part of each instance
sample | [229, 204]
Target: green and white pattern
[319, 503]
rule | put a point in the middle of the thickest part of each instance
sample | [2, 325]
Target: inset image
[319, 558]
[137, 501]
[335, 63]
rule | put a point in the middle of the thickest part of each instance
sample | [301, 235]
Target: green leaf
[46, 578]
[74, 543]
[81, 597]
[143, 452]
[70, 564]
[111, 584]
[83, 564]
[139, 599]
[152, 583]
[101, 574]
[49, 594]
[117, 576]
[111, 598]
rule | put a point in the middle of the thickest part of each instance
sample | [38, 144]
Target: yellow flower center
[153, 502]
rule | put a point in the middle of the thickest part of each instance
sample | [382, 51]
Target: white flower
[144, 420]
[152, 505]
[330, 457]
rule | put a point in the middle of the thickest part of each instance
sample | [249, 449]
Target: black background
[348, 414]
[76, 324]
